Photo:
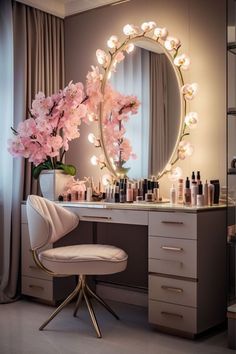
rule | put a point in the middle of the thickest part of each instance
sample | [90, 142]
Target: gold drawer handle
[36, 287]
[170, 288]
[172, 314]
[172, 222]
[96, 217]
[171, 248]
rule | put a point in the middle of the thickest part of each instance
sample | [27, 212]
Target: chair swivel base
[82, 290]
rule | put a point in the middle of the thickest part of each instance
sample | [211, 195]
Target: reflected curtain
[132, 78]
[31, 60]
[159, 142]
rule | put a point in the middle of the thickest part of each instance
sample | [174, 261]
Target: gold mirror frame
[185, 90]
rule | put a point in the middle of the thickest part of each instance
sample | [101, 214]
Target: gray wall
[201, 27]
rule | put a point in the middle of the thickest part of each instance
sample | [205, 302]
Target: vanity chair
[48, 222]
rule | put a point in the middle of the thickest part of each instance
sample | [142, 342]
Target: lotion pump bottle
[205, 193]
[187, 192]
[194, 192]
[211, 189]
[180, 191]
[173, 194]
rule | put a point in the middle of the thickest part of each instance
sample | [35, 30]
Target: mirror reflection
[149, 74]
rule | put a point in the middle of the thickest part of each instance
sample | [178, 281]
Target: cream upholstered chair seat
[48, 222]
[84, 259]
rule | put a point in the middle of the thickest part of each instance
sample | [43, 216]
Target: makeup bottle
[117, 194]
[198, 177]
[150, 186]
[173, 194]
[145, 187]
[216, 184]
[156, 191]
[194, 192]
[129, 193]
[192, 178]
[210, 194]
[135, 190]
[89, 193]
[200, 197]
[187, 192]
[180, 191]
[122, 193]
[205, 193]
[140, 188]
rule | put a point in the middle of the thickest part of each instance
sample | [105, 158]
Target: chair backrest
[47, 221]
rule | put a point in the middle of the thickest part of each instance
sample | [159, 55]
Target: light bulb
[148, 26]
[172, 43]
[129, 48]
[182, 61]
[185, 149]
[175, 174]
[92, 138]
[130, 30]
[160, 32]
[191, 120]
[94, 160]
[101, 57]
[189, 91]
[112, 42]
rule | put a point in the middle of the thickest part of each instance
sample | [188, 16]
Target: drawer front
[112, 216]
[180, 225]
[42, 289]
[28, 266]
[173, 316]
[173, 256]
[176, 291]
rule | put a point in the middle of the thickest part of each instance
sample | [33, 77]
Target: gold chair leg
[78, 302]
[92, 314]
[101, 301]
[63, 304]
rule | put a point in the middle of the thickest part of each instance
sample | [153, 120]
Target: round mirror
[148, 73]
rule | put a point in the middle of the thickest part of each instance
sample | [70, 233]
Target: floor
[19, 333]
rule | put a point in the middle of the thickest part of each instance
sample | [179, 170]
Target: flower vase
[52, 183]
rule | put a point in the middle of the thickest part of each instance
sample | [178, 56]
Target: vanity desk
[183, 262]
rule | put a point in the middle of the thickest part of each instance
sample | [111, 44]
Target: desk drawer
[112, 216]
[176, 291]
[180, 225]
[42, 289]
[173, 316]
[173, 256]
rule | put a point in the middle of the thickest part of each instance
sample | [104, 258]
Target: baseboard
[122, 294]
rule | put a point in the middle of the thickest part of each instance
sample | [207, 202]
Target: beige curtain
[31, 60]
[158, 152]
[39, 44]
